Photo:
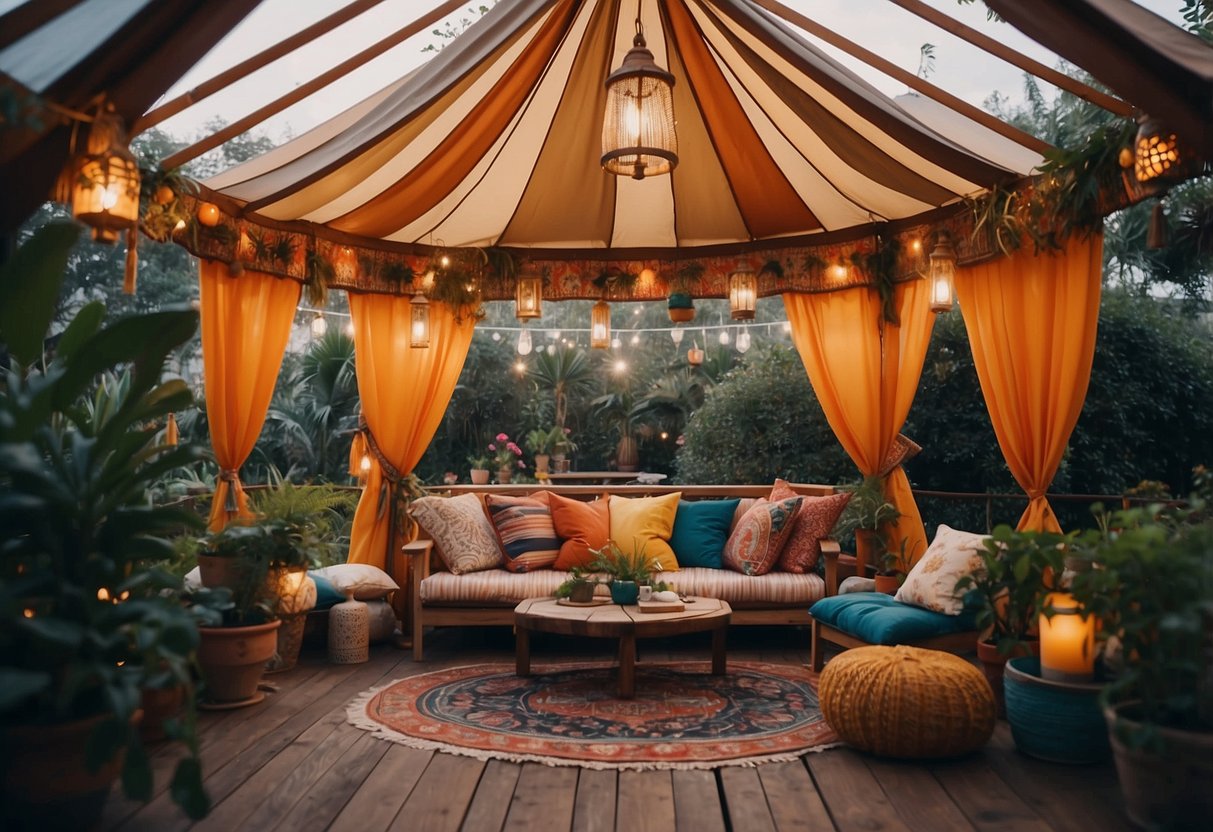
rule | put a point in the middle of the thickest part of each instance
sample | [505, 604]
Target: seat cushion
[880, 619]
[701, 528]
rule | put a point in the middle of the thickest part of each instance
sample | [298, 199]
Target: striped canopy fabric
[497, 141]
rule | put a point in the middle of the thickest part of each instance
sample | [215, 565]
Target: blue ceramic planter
[1056, 721]
[624, 592]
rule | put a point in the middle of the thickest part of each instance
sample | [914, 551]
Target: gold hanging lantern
[419, 331]
[600, 326]
[743, 295]
[638, 137]
[942, 273]
[1156, 155]
[105, 187]
[528, 297]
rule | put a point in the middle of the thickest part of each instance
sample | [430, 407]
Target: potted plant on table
[88, 617]
[540, 443]
[894, 566]
[626, 571]
[479, 464]
[507, 457]
[578, 587]
[1152, 592]
[562, 446]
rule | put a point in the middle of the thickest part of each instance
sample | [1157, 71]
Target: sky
[896, 34]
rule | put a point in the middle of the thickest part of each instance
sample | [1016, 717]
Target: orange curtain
[404, 392]
[246, 322]
[866, 382]
[1031, 321]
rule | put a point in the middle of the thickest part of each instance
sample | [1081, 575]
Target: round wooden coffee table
[626, 623]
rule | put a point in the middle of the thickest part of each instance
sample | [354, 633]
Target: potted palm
[866, 513]
[88, 615]
[479, 464]
[1152, 592]
[540, 442]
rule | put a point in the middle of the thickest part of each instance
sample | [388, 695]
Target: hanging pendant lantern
[524, 342]
[743, 295]
[638, 137]
[419, 331]
[1157, 156]
[105, 186]
[743, 341]
[319, 325]
[600, 326]
[695, 355]
[528, 297]
[942, 273]
[676, 335]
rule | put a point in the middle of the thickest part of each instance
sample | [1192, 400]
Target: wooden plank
[594, 806]
[697, 802]
[852, 795]
[491, 802]
[745, 801]
[918, 797]
[543, 799]
[441, 797]
[378, 800]
[645, 802]
[984, 798]
[795, 804]
[324, 799]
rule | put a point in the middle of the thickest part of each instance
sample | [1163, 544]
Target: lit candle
[1067, 642]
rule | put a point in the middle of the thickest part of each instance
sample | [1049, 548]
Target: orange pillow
[582, 526]
[814, 520]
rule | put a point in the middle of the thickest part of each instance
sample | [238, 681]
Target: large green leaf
[83, 326]
[16, 684]
[29, 284]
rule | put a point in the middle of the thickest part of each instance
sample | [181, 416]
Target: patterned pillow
[524, 528]
[932, 582]
[464, 536]
[814, 520]
[755, 544]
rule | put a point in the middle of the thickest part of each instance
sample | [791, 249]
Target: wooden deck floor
[293, 763]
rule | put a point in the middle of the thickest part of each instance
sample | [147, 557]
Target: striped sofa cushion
[497, 587]
[524, 527]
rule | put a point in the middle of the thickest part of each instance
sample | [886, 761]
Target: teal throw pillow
[701, 528]
[326, 594]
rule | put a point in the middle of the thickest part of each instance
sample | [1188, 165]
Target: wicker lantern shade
[743, 295]
[419, 331]
[105, 186]
[1157, 155]
[638, 137]
[600, 326]
[528, 297]
[942, 274]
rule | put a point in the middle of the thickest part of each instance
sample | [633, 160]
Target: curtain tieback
[232, 477]
[390, 472]
[901, 451]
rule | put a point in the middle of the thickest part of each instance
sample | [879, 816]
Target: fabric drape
[1031, 321]
[246, 322]
[866, 380]
[404, 392]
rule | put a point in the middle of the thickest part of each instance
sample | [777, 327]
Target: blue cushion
[326, 593]
[701, 528]
[879, 619]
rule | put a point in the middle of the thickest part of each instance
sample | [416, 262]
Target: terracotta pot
[505, 474]
[888, 584]
[232, 660]
[159, 705]
[480, 476]
[582, 593]
[215, 571]
[541, 463]
[44, 779]
[1165, 787]
[867, 551]
[993, 663]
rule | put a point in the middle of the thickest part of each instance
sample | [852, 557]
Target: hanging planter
[681, 307]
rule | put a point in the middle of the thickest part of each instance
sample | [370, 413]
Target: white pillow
[382, 620]
[365, 581]
[932, 582]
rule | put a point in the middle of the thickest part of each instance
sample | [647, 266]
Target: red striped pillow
[524, 527]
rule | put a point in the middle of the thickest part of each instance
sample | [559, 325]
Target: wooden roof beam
[304, 90]
[1045, 73]
[908, 78]
[250, 65]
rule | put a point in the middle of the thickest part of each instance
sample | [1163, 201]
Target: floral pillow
[931, 584]
[464, 536]
[754, 546]
[814, 520]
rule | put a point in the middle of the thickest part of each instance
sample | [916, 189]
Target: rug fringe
[356, 716]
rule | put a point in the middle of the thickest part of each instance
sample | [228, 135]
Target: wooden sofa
[434, 599]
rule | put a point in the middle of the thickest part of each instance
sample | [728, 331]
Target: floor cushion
[701, 528]
[878, 618]
[907, 702]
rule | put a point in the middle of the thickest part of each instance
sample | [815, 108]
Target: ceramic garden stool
[349, 632]
[907, 702]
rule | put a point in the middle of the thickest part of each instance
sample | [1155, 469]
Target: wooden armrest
[830, 550]
[420, 546]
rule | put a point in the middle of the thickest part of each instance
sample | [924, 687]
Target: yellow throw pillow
[646, 522]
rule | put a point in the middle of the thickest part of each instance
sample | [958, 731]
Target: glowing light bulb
[524, 342]
[319, 325]
[635, 339]
[724, 337]
[743, 341]
[621, 366]
[520, 367]
[676, 336]
[364, 464]
[551, 349]
[496, 336]
[616, 343]
[349, 328]
[787, 326]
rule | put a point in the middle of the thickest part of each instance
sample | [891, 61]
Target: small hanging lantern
[743, 341]
[528, 297]
[105, 188]
[208, 214]
[723, 337]
[695, 355]
[319, 325]
[942, 273]
[419, 331]
[600, 326]
[676, 335]
[638, 137]
[743, 294]
[1156, 154]
[524, 342]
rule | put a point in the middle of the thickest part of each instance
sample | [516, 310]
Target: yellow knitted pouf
[907, 702]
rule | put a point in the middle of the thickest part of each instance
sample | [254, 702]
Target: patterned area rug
[568, 715]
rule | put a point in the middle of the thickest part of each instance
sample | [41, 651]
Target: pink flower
[501, 437]
[521, 464]
[514, 449]
[492, 447]
[567, 431]
[450, 478]
[680, 441]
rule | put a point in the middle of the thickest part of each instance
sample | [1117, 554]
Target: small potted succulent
[626, 571]
[578, 587]
[479, 465]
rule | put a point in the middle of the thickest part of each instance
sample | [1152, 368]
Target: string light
[676, 335]
[724, 337]
[524, 342]
[496, 336]
[743, 341]
[616, 343]
[621, 366]
[319, 325]
[520, 367]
